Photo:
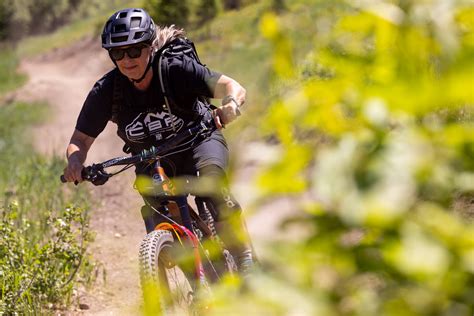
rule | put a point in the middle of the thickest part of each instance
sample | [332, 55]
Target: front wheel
[165, 287]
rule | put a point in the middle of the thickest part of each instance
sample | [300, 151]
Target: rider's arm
[227, 86]
[76, 154]
[233, 95]
[197, 79]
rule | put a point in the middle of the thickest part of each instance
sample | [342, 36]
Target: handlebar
[96, 174]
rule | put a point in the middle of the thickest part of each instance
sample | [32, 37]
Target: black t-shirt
[143, 120]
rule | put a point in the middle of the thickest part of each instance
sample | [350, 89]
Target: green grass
[27, 178]
[10, 79]
[63, 37]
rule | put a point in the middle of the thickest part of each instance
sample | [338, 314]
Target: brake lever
[95, 174]
[100, 178]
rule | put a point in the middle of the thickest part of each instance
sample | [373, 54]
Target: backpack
[171, 50]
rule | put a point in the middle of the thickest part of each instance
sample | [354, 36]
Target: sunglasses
[132, 52]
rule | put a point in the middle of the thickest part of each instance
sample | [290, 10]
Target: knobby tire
[158, 273]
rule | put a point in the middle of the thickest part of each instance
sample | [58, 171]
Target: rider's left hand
[225, 114]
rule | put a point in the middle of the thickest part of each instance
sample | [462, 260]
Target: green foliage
[236, 4]
[375, 129]
[232, 4]
[34, 274]
[88, 21]
[5, 16]
[43, 244]
[206, 11]
[168, 12]
[33, 17]
[278, 5]
[9, 77]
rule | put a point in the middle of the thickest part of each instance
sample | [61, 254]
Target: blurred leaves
[375, 131]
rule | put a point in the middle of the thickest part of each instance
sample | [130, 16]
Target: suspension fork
[161, 180]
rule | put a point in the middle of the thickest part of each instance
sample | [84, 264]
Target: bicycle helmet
[128, 27]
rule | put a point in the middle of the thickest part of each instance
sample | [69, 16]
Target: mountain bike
[184, 254]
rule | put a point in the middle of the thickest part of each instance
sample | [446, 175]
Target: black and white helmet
[128, 27]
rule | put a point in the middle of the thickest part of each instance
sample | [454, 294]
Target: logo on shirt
[158, 125]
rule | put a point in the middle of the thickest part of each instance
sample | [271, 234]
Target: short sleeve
[97, 108]
[190, 77]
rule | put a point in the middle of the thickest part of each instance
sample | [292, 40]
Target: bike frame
[97, 175]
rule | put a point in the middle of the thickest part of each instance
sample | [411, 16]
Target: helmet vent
[123, 14]
[120, 28]
[119, 39]
[138, 35]
[135, 22]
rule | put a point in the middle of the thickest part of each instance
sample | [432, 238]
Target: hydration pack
[171, 52]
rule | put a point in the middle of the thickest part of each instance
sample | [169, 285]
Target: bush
[43, 243]
[35, 274]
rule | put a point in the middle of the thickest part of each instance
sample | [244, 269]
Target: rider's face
[134, 68]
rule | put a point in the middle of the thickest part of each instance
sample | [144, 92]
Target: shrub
[43, 243]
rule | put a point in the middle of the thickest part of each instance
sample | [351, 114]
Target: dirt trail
[63, 78]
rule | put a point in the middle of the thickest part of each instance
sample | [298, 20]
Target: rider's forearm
[227, 86]
[78, 147]
[76, 152]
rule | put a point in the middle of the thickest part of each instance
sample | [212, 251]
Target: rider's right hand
[72, 172]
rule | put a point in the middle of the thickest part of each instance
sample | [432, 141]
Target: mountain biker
[146, 119]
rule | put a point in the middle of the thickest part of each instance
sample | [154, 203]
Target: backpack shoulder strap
[162, 70]
[117, 97]
[177, 47]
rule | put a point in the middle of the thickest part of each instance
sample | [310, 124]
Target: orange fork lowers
[181, 231]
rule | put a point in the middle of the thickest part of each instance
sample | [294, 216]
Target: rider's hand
[72, 172]
[225, 114]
